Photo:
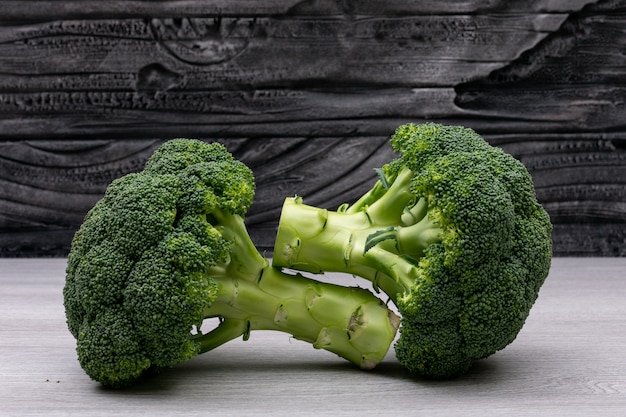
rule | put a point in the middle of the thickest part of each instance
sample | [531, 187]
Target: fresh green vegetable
[167, 248]
[452, 232]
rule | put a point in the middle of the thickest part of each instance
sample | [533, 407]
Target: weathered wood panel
[44, 10]
[307, 94]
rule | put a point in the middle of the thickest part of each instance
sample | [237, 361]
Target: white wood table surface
[569, 360]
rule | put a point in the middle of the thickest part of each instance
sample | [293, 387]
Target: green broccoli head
[138, 263]
[175, 155]
[494, 253]
[451, 231]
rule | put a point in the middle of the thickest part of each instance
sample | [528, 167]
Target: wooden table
[569, 360]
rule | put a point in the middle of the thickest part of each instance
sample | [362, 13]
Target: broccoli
[453, 234]
[167, 248]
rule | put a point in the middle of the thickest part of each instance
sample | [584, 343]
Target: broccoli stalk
[451, 232]
[380, 242]
[167, 248]
[252, 295]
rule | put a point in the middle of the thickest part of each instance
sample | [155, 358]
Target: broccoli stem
[366, 242]
[252, 295]
[387, 209]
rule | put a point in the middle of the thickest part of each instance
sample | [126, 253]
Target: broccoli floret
[167, 248]
[452, 232]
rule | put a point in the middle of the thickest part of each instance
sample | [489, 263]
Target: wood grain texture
[567, 361]
[307, 93]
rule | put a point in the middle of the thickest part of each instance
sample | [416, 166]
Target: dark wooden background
[307, 93]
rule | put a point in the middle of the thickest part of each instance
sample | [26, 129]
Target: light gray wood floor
[569, 360]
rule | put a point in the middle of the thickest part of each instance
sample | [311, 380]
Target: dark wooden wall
[307, 93]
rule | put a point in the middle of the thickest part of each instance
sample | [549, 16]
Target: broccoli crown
[475, 287]
[452, 232]
[136, 279]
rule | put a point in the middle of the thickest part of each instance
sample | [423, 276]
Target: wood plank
[197, 54]
[589, 109]
[577, 181]
[589, 239]
[41, 9]
[568, 360]
[51, 185]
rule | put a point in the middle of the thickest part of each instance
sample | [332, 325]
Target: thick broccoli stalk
[451, 232]
[167, 248]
